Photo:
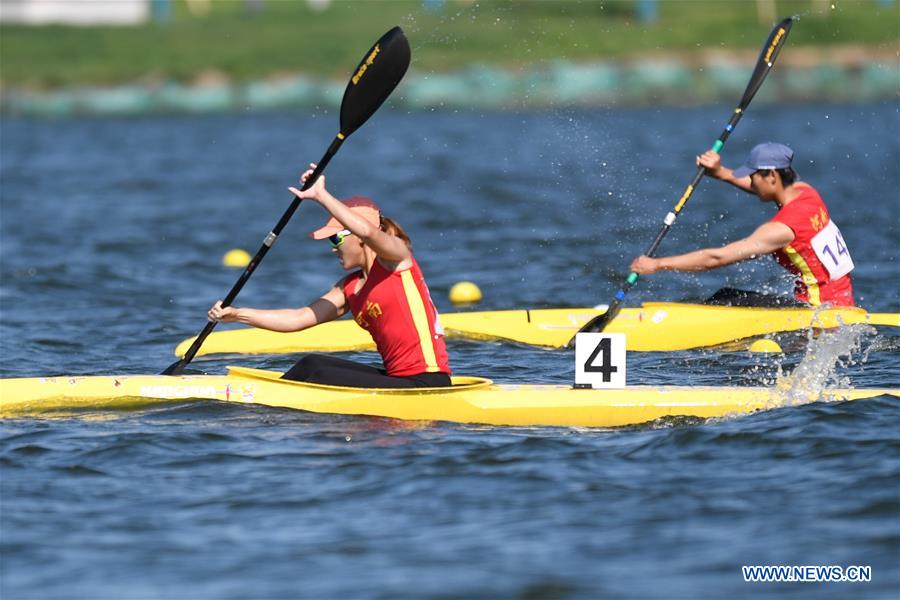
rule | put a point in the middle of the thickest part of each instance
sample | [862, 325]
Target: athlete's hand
[316, 191]
[711, 163]
[224, 314]
[644, 265]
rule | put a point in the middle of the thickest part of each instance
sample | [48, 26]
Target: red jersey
[396, 309]
[818, 256]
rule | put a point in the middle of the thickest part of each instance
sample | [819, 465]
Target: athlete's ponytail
[391, 226]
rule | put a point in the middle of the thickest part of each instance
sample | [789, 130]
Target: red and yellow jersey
[818, 256]
[396, 309]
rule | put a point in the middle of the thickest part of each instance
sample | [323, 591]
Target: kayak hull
[654, 327]
[471, 400]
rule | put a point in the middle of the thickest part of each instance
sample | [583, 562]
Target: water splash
[818, 375]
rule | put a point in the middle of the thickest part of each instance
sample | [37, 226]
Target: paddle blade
[597, 324]
[176, 368]
[379, 72]
[766, 60]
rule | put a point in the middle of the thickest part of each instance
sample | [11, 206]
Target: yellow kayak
[654, 327]
[471, 400]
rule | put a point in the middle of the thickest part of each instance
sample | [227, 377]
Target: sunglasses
[338, 238]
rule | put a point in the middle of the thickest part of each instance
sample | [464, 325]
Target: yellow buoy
[236, 258]
[465, 292]
[765, 346]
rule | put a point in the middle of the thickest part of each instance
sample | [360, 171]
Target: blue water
[111, 238]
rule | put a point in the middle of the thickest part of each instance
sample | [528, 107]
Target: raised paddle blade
[764, 63]
[379, 72]
[766, 59]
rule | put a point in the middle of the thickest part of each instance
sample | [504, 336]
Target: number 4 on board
[600, 360]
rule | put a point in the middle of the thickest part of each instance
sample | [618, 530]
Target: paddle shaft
[268, 242]
[614, 308]
[764, 64]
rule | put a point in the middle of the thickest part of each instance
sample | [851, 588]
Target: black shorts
[329, 370]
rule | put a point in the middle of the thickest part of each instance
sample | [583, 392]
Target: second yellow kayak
[654, 327]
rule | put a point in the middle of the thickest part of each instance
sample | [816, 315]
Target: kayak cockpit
[460, 383]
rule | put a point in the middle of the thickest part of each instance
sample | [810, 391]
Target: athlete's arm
[712, 165]
[328, 307]
[389, 248]
[767, 238]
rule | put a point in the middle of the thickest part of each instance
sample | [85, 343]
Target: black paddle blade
[379, 72]
[766, 60]
[597, 324]
[176, 368]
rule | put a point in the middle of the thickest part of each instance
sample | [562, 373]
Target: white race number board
[832, 251]
[600, 360]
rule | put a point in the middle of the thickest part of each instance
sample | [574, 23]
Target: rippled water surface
[112, 238]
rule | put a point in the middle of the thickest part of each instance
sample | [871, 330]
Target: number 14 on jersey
[600, 360]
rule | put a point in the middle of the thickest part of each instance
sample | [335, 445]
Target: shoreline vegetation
[245, 55]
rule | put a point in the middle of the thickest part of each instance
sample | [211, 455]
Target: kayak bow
[471, 400]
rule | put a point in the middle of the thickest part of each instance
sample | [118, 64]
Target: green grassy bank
[287, 36]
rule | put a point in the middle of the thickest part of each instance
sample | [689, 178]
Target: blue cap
[766, 156]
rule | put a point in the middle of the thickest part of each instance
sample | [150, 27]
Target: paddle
[764, 64]
[379, 72]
